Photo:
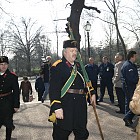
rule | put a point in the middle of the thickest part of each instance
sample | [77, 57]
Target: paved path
[31, 123]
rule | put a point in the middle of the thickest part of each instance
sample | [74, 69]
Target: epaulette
[14, 73]
[56, 63]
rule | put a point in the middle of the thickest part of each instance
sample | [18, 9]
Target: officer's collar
[69, 64]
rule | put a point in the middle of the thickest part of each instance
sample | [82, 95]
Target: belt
[76, 91]
[5, 94]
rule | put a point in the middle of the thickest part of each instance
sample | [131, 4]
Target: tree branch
[93, 8]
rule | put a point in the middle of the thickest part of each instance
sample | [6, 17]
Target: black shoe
[42, 100]
[128, 122]
[13, 127]
[119, 112]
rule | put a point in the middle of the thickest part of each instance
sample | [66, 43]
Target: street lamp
[87, 28]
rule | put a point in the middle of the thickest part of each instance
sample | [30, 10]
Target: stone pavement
[31, 123]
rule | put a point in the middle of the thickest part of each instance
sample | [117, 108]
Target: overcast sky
[45, 12]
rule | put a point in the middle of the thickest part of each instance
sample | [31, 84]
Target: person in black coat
[106, 73]
[70, 109]
[45, 68]
[92, 71]
[39, 86]
[9, 96]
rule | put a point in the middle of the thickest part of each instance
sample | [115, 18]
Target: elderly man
[92, 71]
[9, 96]
[67, 95]
[118, 84]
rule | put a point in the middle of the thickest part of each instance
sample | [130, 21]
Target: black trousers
[40, 94]
[121, 99]
[8, 133]
[103, 84]
[61, 134]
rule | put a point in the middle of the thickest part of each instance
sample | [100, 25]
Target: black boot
[8, 133]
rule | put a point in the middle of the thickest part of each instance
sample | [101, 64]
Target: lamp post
[87, 28]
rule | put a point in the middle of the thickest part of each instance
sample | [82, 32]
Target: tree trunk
[74, 19]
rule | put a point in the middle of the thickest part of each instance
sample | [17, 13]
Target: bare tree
[74, 19]
[3, 43]
[23, 40]
[113, 7]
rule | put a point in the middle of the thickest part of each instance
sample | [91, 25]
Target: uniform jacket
[106, 71]
[92, 71]
[117, 74]
[74, 105]
[8, 83]
[130, 76]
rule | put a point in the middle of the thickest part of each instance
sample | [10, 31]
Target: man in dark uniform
[70, 109]
[130, 79]
[9, 96]
[106, 73]
[92, 71]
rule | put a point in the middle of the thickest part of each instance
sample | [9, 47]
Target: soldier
[106, 73]
[9, 96]
[67, 95]
[129, 80]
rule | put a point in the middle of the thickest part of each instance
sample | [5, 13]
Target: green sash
[69, 81]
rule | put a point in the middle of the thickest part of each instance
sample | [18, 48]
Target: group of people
[123, 76]
[104, 73]
[69, 105]
[41, 83]
[66, 84]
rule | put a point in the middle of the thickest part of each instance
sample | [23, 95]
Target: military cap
[70, 44]
[4, 59]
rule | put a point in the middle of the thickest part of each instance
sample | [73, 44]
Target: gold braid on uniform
[56, 62]
[55, 101]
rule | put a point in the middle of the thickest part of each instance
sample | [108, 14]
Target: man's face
[70, 54]
[134, 58]
[91, 60]
[116, 58]
[105, 60]
[3, 67]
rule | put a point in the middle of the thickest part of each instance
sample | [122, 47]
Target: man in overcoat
[9, 96]
[70, 108]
